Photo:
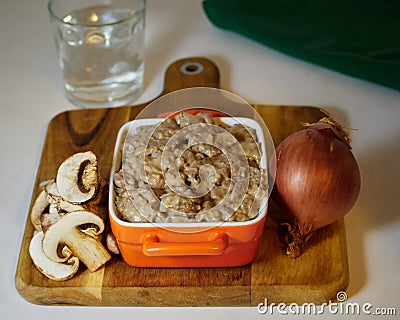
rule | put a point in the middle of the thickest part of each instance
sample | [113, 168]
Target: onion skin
[317, 181]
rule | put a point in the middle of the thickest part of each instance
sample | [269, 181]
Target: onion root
[294, 238]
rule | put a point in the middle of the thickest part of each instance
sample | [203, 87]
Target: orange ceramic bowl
[202, 244]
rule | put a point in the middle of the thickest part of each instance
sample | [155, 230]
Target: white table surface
[31, 94]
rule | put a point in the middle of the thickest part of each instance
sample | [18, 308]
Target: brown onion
[317, 180]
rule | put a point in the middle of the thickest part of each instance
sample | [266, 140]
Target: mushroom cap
[53, 270]
[62, 231]
[77, 178]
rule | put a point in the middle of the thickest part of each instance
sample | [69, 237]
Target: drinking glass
[100, 45]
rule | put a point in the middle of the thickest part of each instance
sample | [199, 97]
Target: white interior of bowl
[116, 165]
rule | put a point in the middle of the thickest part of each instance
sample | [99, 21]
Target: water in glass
[101, 55]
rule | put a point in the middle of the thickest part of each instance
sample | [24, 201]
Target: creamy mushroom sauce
[136, 203]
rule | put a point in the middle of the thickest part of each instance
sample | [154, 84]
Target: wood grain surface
[314, 277]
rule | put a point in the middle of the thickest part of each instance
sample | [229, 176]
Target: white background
[31, 94]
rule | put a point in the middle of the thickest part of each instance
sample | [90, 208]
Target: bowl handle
[153, 247]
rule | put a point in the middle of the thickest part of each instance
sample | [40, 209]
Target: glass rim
[53, 15]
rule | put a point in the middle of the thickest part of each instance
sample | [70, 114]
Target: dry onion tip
[317, 181]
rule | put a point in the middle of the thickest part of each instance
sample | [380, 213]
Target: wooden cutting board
[315, 277]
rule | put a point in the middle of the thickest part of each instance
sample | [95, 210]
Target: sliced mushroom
[84, 246]
[51, 269]
[53, 196]
[50, 217]
[77, 178]
[99, 204]
[47, 209]
[112, 243]
[47, 196]
[65, 206]
[39, 206]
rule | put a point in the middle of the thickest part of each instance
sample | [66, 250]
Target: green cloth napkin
[358, 38]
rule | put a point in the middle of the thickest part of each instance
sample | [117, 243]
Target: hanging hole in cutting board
[192, 68]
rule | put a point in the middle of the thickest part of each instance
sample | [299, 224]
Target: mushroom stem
[87, 249]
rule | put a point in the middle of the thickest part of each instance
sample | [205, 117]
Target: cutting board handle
[152, 246]
[191, 72]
